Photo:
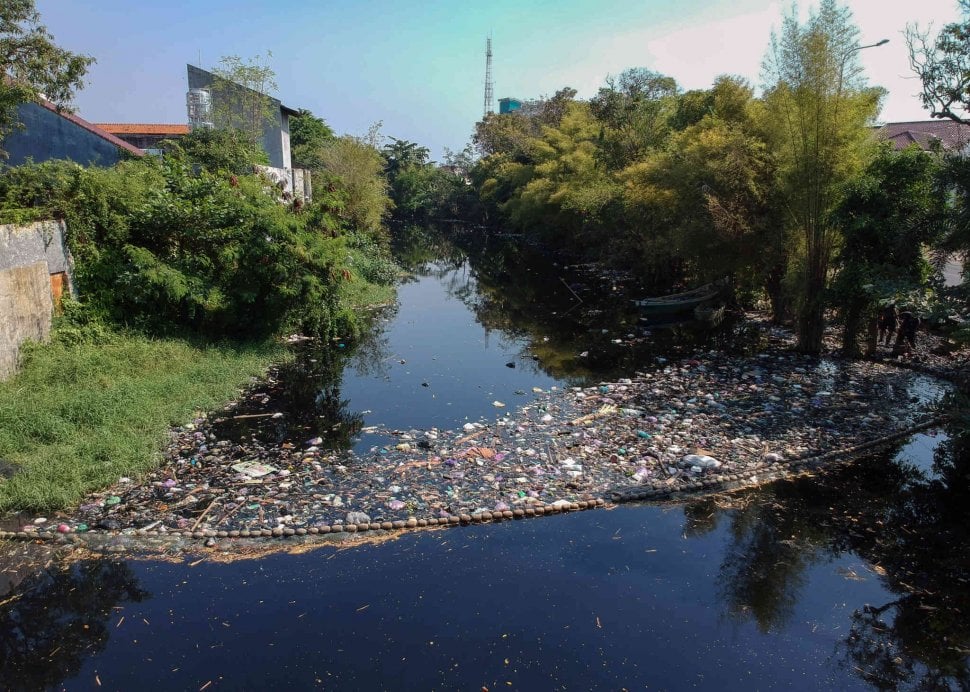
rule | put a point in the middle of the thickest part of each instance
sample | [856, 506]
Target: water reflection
[299, 400]
[890, 529]
[60, 616]
[909, 524]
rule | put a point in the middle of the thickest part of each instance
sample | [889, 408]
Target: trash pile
[707, 417]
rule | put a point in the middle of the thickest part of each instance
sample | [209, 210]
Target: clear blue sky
[419, 66]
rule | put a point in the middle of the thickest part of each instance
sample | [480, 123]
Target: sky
[419, 67]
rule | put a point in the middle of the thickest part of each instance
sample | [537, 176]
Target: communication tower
[489, 86]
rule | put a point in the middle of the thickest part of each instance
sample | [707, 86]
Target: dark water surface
[855, 579]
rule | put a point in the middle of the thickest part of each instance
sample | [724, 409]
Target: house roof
[82, 123]
[951, 135]
[145, 128]
[90, 127]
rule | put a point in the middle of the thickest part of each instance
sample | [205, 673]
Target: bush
[166, 248]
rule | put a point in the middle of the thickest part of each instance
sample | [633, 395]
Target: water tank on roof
[199, 105]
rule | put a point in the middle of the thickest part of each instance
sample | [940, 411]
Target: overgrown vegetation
[188, 267]
[32, 64]
[686, 187]
[96, 405]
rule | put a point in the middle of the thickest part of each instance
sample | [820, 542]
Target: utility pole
[489, 87]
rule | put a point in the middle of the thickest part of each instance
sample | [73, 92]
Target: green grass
[78, 417]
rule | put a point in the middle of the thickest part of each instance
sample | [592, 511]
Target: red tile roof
[951, 135]
[144, 128]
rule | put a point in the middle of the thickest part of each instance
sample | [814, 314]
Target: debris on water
[254, 469]
[678, 424]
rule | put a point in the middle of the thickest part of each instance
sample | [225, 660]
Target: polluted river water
[828, 582]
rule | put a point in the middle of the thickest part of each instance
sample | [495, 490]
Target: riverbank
[79, 416]
[704, 423]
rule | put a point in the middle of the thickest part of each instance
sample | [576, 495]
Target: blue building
[508, 105]
[49, 133]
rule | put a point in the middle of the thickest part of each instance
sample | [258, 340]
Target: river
[854, 579]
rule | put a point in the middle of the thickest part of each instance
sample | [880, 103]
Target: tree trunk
[872, 335]
[811, 317]
[780, 310]
[853, 325]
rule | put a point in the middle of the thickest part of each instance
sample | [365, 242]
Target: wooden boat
[678, 303]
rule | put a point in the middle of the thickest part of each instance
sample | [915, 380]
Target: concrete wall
[25, 311]
[295, 182]
[46, 135]
[273, 126]
[29, 255]
[302, 184]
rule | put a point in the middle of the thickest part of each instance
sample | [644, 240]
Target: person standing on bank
[908, 324]
[888, 321]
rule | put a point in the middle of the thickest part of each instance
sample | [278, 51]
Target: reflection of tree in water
[307, 391]
[59, 619]
[417, 247]
[700, 517]
[911, 527]
[370, 356]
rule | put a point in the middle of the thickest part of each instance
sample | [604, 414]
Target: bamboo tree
[819, 108]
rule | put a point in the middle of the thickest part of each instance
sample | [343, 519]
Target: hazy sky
[420, 66]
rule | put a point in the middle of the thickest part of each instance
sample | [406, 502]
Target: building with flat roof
[508, 105]
[276, 124]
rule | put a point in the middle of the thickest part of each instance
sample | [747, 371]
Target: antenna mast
[489, 87]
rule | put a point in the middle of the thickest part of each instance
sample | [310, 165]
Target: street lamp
[845, 58]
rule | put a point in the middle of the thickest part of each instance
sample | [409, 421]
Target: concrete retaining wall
[29, 256]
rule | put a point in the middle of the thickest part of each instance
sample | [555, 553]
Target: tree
[635, 109]
[241, 95]
[943, 66]
[707, 194]
[31, 64]
[223, 150]
[818, 110]
[308, 134]
[401, 154]
[357, 169]
[888, 215]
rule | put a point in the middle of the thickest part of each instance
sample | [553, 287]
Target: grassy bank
[78, 417]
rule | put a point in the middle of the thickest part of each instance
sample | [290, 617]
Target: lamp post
[845, 58]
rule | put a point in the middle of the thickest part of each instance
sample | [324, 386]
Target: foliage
[219, 150]
[711, 189]
[240, 96]
[818, 111]
[165, 248]
[422, 190]
[401, 154]
[81, 414]
[33, 63]
[308, 134]
[636, 109]
[943, 67]
[356, 167]
[888, 215]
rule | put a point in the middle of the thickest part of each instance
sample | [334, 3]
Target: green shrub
[165, 248]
